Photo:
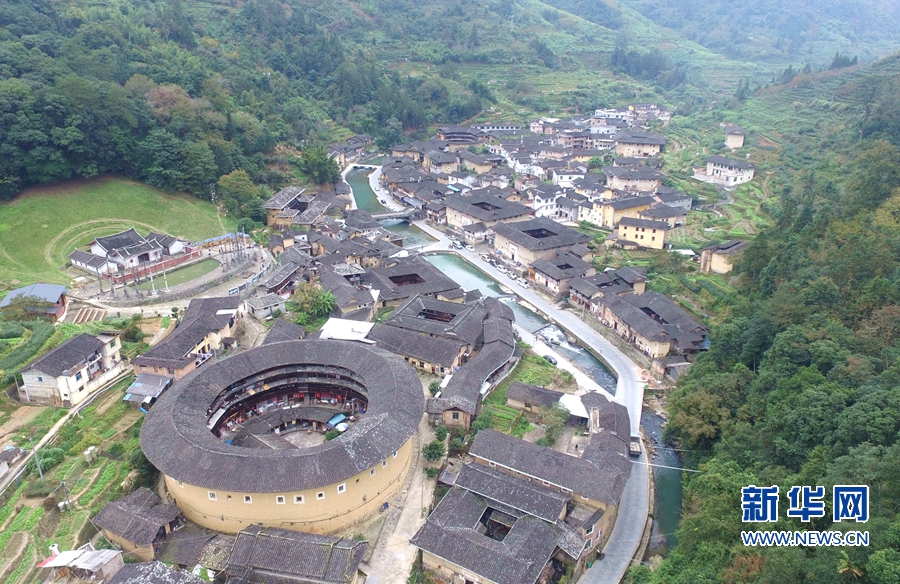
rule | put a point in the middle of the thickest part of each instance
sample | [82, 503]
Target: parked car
[470, 248]
[501, 269]
[523, 283]
[512, 274]
[551, 360]
[383, 202]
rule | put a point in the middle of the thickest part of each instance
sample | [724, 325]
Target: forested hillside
[801, 385]
[782, 31]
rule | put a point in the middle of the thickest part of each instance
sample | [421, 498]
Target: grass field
[40, 227]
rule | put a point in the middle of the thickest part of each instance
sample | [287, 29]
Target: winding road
[634, 506]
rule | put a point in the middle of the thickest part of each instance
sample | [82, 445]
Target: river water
[667, 506]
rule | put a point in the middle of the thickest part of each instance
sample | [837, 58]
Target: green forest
[801, 385]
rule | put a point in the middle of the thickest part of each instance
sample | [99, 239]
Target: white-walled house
[72, 371]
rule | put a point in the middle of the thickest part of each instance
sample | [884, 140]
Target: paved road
[634, 505]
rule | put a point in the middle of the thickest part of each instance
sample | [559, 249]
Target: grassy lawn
[40, 227]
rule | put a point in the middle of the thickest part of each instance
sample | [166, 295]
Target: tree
[25, 308]
[595, 162]
[237, 193]
[848, 568]
[199, 170]
[389, 134]
[318, 166]
[440, 433]
[433, 387]
[434, 450]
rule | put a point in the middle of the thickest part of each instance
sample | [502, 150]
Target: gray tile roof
[176, 439]
[269, 555]
[465, 324]
[433, 282]
[283, 198]
[486, 207]
[68, 357]
[517, 493]
[554, 235]
[533, 394]
[645, 223]
[152, 573]
[284, 330]
[564, 265]
[89, 259]
[728, 247]
[200, 319]
[119, 240]
[137, 517]
[451, 534]
[438, 350]
[595, 477]
[644, 138]
[630, 202]
[655, 317]
[184, 546]
[730, 162]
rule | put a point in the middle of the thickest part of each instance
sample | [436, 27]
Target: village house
[267, 555]
[640, 179]
[608, 213]
[285, 205]
[407, 277]
[555, 273]
[440, 162]
[127, 248]
[476, 233]
[265, 306]
[74, 370]
[9, 456]
[352, 300]
[478, 163]
[531, 398]
[631, 144]
[51, 301]
[642, 233]
[284, 330]
[137, 521]
[485, 208]
[84, 564]
[583, 291]
[673, 198]
[492, 528]
[459, 400]
[734, 136]
[464, 134]
[207, 327]
[725, 171]
[145, 390]
[650, 321]
[674, 216]
[529, 241]
[586, 486]
[719, 258]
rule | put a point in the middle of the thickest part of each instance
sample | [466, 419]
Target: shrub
[441, 432]
[457, 445]
[432, 471]
[433, 387]
[116, 449]
[49, 458]
[331, 435]
[434, 450]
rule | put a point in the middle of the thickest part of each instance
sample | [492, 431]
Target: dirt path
[19, 417]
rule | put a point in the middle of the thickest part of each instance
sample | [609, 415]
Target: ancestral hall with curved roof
[219, 436]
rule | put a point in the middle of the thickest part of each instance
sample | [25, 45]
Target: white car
[501, 269]
[470, 248]
[523, 283]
